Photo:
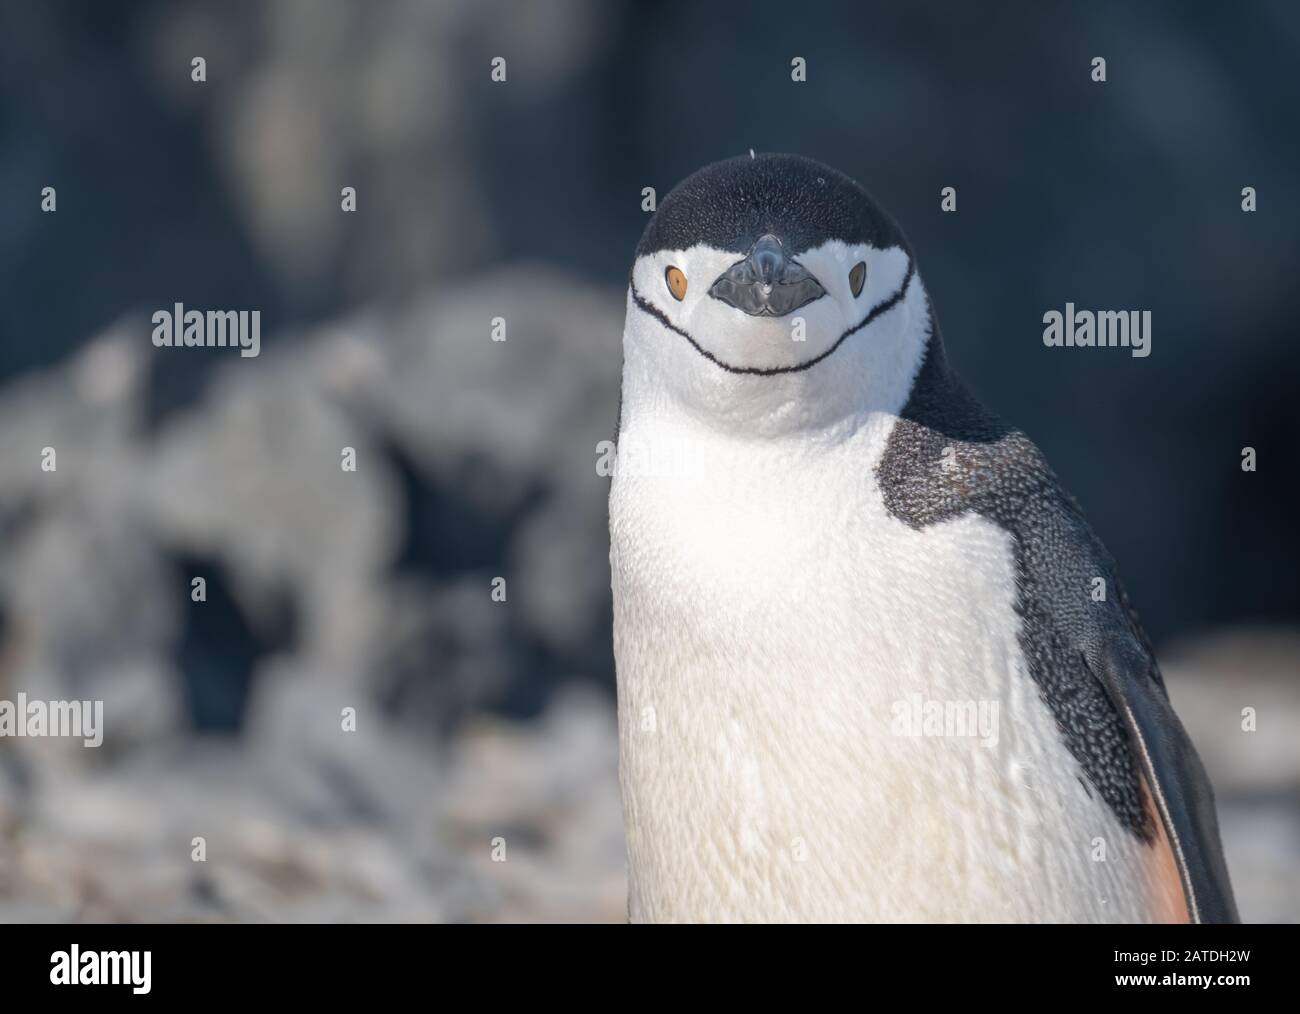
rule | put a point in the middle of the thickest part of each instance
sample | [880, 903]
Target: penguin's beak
[767, 283]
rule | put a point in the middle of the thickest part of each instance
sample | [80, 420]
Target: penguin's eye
[857, 276]
[676, 283]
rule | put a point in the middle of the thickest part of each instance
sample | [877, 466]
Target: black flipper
[1179, 786]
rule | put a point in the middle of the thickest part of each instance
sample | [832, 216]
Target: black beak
[767, 283]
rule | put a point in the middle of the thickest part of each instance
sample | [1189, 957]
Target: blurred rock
[476, 460]
[469, 468]
[331, 826]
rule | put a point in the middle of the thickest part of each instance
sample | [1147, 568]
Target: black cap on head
[731, 204]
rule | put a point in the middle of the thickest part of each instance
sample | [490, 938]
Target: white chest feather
[824, 714]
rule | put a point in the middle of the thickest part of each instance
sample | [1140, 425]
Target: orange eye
[857, 276]
[676, 283]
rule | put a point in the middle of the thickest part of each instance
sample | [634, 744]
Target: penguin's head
[769, 282]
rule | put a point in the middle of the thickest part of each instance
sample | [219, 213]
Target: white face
[748, 343]
[838, 353]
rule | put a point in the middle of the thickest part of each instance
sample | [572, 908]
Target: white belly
[774, 630]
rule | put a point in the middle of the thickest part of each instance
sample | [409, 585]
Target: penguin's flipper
[1178, 783]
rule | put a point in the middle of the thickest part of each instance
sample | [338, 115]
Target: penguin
[829, 565]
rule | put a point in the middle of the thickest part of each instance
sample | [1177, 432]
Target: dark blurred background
[521, 199]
